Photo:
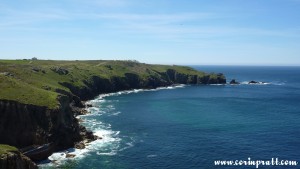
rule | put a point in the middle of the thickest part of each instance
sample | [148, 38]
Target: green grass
[39, 87]
[6, 148]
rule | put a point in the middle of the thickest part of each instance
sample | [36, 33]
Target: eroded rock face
[16, 160]
[23, 125]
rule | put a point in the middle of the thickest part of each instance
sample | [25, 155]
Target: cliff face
[22, 125]
[97, 85]
[177, 77]
[15, 160]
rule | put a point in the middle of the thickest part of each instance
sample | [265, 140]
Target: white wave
[107, 154]
[244, 82]
[57, 156]
[102, 96]
[93, 109]
[111, 107]
[137, 90]
[116, 113]
[217, 84]
[151, 155]
[258, 83]
[128, 145]
[169, 87]
[278, 83]
[60, 158]
[109, 144]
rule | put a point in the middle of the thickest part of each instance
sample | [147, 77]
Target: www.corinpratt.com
[256, 163]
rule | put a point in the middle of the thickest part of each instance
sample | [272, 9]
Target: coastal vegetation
[39, 82]
[6, 148]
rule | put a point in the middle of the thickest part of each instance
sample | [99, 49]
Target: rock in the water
[70, 155]
[79, 120]
[253, 82]
[80, 145]
[233, 81]
[90, 136]
[83, 112]
[88, 105]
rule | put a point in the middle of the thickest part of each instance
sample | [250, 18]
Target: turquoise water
[191, 126]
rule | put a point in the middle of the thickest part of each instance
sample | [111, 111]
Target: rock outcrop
[253, 82]
[59, 70]
[233, 82]
[16, 160]
[22, 125]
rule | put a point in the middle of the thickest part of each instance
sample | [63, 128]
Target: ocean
[192, 126]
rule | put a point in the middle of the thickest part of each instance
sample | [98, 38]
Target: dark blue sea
[190, 127]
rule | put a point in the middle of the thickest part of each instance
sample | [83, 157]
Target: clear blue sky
[215, 32]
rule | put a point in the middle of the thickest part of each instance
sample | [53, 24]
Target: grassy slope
[28, 86]
[6, 148]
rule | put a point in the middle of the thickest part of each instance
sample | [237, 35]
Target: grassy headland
[6, 148]
[37, 82]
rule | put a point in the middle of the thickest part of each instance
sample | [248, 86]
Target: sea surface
[189, 127]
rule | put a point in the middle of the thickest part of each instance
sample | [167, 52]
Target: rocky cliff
[23, 125]
[16, 160]
[96, 85]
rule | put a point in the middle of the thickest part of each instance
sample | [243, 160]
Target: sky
[190, 32]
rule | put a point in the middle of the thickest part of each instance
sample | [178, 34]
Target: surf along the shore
[109, 142]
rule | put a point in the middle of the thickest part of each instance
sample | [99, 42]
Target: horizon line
[182, 64]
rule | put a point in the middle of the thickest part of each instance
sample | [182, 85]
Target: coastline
[52, 120]
[269, 84]
[59, 158]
